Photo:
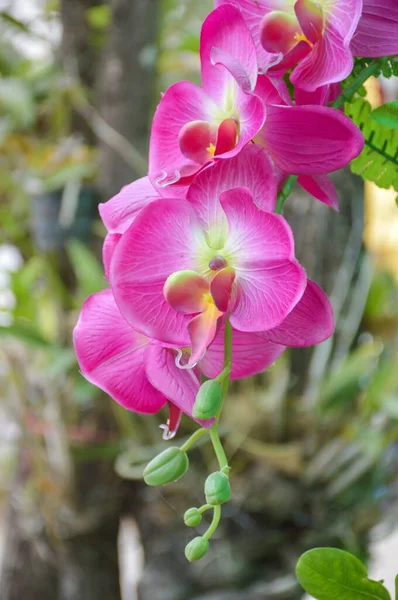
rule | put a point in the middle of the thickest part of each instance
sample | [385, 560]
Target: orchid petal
[226, 46]
[307, 140]
[120, 211]
[161, 241]
[310, 322]
[251, 168]
[322, 188]
[108, 249]
[269, 281]
[180, 386]
[376, 34]
[111, 355]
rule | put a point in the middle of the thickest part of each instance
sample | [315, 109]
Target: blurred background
[313, 442]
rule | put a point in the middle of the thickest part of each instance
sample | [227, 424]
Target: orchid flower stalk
[204, 284]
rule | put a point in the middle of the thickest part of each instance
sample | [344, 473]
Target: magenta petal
[269, 281]
[272, 91]
[310, 17]
[182, 103]
[251, 168]
[251, 354]
[253, 11]
[108, 249]
[120, 211]
[376, 34]
[307, 140]
[111, 355]
[160, 242]
[310, 322]
[180, 386]
[321, 187]
[226, 44]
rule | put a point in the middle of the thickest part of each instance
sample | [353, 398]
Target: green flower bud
[192, 517]
[217, 488]
[196, 549]
[170, 465]
[208, 400]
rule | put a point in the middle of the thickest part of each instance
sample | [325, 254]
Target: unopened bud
[217, 488]
[196, 549]
[170, 465]
[192, 517]
[208, 400]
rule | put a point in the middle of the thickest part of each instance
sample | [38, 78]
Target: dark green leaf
[328, 573]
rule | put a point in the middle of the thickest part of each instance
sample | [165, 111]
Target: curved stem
[218, 447]
[194, 437]
[214, 523]
[372, 68]
[284, 193]
[205, 507]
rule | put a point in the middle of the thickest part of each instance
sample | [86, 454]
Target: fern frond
[378, 161]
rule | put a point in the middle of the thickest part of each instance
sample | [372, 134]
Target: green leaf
[396, 588]
[378, 161]
[16, 101]
[386, 115]
[25, 332]
[328, 573]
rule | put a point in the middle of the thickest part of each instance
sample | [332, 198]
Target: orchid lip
[167, 434]
[178, 361]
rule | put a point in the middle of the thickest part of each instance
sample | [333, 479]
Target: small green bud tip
[208, 400]
[170, 465]
[196, 549]
[217, 488]
[192, 517]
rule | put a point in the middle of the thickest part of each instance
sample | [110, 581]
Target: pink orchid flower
[376, 34]
[310, 322]
[183, 264]
[139, 373]
[317, 34]
[194, 125]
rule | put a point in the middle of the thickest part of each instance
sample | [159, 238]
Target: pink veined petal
[307, 140]
[297, 53]
[272, 91]
[108, 248]
[251, 168]
[182, 103]
[376, 34]
[251, 354]
[226, 44]
[180, 386]
[120, 211]
[322, 188]
[111, 355]
[202, 330]
[319, 96]
[330, 60]
[160, 242]
[269, 281]
[253, 11]
[310, 322]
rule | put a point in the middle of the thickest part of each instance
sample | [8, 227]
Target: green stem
[194, 437]
[284, 193]
[214, 523]
[205, 507]
[218, 447]
[372, 68]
